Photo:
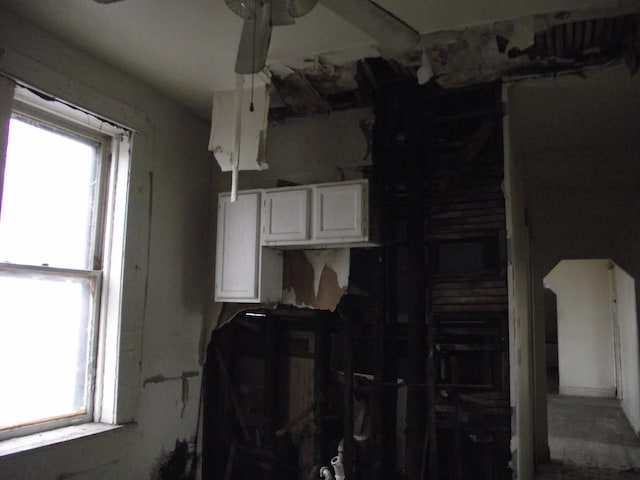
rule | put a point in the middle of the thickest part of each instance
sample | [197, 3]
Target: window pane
[44, 337]
[49, 198]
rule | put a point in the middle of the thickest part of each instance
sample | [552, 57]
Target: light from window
[50, 232]
[48, 198]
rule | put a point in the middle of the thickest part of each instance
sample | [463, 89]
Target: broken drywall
[469, 56]
[315, 278]
[566, 41]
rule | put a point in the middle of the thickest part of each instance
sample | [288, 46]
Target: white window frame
[107, 251]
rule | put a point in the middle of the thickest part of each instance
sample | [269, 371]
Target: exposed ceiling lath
[587, 40]
[466, 57]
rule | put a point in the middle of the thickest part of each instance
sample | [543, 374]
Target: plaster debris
[530, 45]
[333, 79]
[523, 34]
[299, 95]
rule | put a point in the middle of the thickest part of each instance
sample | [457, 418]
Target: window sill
[29, 443]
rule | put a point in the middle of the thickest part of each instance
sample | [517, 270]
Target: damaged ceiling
[534, 46]
[187, 49]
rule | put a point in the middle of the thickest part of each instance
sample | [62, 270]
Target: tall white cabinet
[245, 272]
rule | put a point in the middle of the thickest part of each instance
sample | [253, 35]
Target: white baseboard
[587, 391]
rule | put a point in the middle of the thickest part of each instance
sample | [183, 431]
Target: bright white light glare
[43, 339]
[48, 208]
[48, 198]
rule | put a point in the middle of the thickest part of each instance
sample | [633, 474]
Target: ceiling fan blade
[280, 13]
[298, 8]
[392, 34]
[243, 8]
[254, 41]
[107, 1]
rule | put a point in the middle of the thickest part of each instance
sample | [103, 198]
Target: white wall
[166, 260]
[586, 363]
[627, 321]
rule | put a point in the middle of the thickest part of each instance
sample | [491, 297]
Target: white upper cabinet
[285, 215]
[237, 249]
[340, 212]
[242, 266]
[314, 216]
[253, 230]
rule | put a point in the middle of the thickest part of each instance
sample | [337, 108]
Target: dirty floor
[589, 438]
[573, 472]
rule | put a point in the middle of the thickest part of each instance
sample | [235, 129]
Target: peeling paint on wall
[316, 278]
[161, 378]
[337, 260]
[184, 378]
[179, 464]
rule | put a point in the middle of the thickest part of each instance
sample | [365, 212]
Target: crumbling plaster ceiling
[186, 48]
[551, 44]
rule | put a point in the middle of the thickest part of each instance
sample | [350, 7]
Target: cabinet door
[238, 250]
[339, 211]
[285, 216]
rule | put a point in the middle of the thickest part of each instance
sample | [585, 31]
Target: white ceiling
[187, 48]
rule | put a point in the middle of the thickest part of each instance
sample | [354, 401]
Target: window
[55, 202]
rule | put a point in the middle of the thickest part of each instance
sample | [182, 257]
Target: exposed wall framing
[442, 186]
[425, 313]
